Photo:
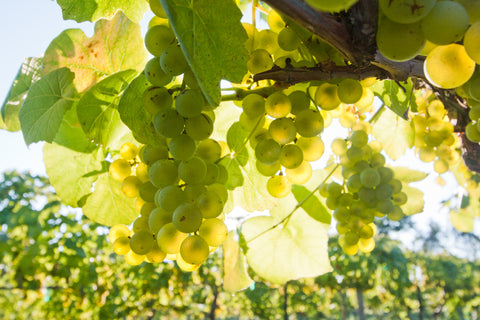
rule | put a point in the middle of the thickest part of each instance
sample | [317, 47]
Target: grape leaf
[415, 203]
[134, 115]
[398, 99]
[235, 277]
[71, 135]
[116, 45]
[296, 249]
[28, 74]
[395, 134]
[97, 109]
[311, 204]
[108, 205]
[45, 105]
[92, 10]
[408, 175]
[464, 220]
[70, 172]
[212, 40]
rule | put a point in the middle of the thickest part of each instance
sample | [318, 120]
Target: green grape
[190, 79]
[386, 174]
[351, 239]
[342, 227]
[250, 124]
[299, 101]
[213, 231]
[275, 21]
[134, 259]
[199, 127]
[288, 39]
[117, 231]
[182, 147]
[155, 255]
[128, 151]
[282, 130]
[440, 166]
[189, 103]
[436, 109]
[312, 148]
[349, 91]
[426, 154]
[449, 66]
[359, 138]
[406, 11]
[222, 177]
[370, 178]
[158, 218]
[194, 250]
[268, 169]
[210, 204]
[433, 138]
[301, 174]
[309, 123]
[341, 214]
[475, 87]
[396, 214]
[278, 105]
[383, 191]
[193, 191]
[334, 189]
[361, 165]
[141, 171]
[121, 245]
[279, 186]
[163, 173]
[471, 42]
[377, 160]
[339, 146]
[472, 132]
[366, 232]
[157, 8]
[192, 171]
[331, 6]
[155, 74]
[353, 183]
[473, 9]
[173, 61]
[168, 123]
[131, 187]
[367, 196]
[259, 61]
[355, 154]
[170, 197]
[156, 21]
[158, 38]
[347, 119]
[147, 209]
[169, 239]
[291, 156]
[212, 173]
[399, 42]
[187, 218]
[326, 96]
[266, 40]
[259, 135]
[385, 206]
[149, 153]
[447, 22]
[147, 191]
[141, 242]
[268, 151]
[209, 150]
[141, 223]
[120, 169]
[253, 105]
[220, 190]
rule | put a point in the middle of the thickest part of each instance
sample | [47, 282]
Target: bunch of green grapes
[369, 190]
[435, 140]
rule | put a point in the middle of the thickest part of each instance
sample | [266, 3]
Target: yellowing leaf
[235, 276]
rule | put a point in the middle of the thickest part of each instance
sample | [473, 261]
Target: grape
[312, 148]
[426, 154]
[187, 218]
[168, 123]
[147, 191]
[149, 153]
[131, 187]
[266, 40]
[291, 156]
[383, 191]
[268, 169]
[474, 113]
[155, 74]
[474, 88]
[213, 231]
[288, 39]
[471, 41]
[301, 174]
[370, 178]
[250, 124]
[331, 6]
[440, 166]
[326, 96]
[275, 21]
[472, 132]
[156, 21]
[278, 105]
[259, 61]
[355, 154]
[158, 38]
[436, 109]
[366, 101]
[194, 250]
[157, 8]
[400, 198]
[253, 105]
[170, 197]
[210, 204]
[183, 265]
[121, 245]
[189, 103]
[199, 127]
[141, 171]
[282, 130]
[386, 174]
[446, 23]
[448, 66]
[299, 101]
[279, 186]
[406, 11]
[134, 259]
[141, 242]
[349, 91]
[156, 99]
[182, 147]
[309, 123]
[209, 150]
[158, 218]
[385, 206]
[155, 255]
[173, 61]
[396, 214]
[212, 173]
[339, 146]
[359, 138]
[169, 239]
[353, 183]
[366, 245]
[220, 190]
[399, 42]
[268, 151]
[193, 191]
[120, 169]
[192, 171]
[117, 231]
[163, 173]
[473, 9]
[222, 177]
[347, 119]
[141, 223]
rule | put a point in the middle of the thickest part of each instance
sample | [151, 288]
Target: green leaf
[97, 109]
[116, 45]
[47, 101]
[408, 175]
[463, 221]
[312, 205]
[71, 135]
[235, 277]
[108, 205]
[395, 134]
[212, 39]
[398, 99]
[92, 10]
[235, 175]
[134, 115]
[28, 74]
[70, 172]
[296, 249]
[415, 203]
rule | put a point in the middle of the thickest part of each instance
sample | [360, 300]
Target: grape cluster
[369, 190]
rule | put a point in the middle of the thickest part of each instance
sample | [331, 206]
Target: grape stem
[285, 220]
[240, 93]
[259, 121]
